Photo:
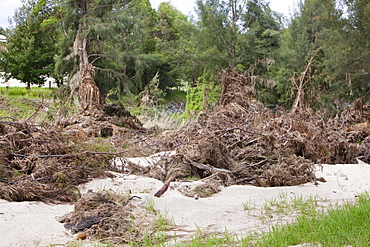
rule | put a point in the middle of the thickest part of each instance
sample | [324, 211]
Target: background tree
[31, 44]
[174, 38]
[110, 35]
[263, 30]
[349, 51]
[219, 37]
[306, 34]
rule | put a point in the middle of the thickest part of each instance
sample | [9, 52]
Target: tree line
[319, 56]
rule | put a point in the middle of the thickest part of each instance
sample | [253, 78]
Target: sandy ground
[34, 223]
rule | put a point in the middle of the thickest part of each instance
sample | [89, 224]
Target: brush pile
[112, 218]
[46, 163]
[242, 142]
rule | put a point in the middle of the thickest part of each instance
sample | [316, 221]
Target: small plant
[99, 144]
[149, 205]
[202, 238]
[162, 222]
[203, 96]
[74, 244]
[162, 119]
[285, 206]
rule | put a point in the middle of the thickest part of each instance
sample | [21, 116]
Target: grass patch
[178, 96]
[149, 206]
[20, 103]
[202, 238]
[35, 93]
[285, 205]
[98, 144]
[349, 225]
[163, 120]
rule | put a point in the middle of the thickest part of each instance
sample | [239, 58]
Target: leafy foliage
[31, 45]
[203, 96]
[128, 42]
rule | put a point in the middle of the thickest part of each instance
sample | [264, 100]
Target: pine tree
[305, 39]
[110, 35]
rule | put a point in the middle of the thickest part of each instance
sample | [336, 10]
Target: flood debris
[240, 141]
[112, 218]
[46, 163]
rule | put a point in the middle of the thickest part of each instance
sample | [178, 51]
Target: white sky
[7, 7]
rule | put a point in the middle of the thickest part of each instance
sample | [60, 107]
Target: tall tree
[220, 31]
[350, 51]
[306, 34]
[109, 35]
[31, 44]
[174, 37]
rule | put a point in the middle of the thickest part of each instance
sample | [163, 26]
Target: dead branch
[62, 155]
[298, 102]
[206, 167]
[165, 186]
[37, 110]
[245, 180]
[242, 140]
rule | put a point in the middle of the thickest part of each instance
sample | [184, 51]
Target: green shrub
[203, 96]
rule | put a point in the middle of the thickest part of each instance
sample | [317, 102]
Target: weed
[149, 206]
[202, 238]
[284, 205]
[74, 244]
[162, 119]
[98, 144]
[249, 206]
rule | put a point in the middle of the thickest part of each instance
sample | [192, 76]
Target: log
[165, 186]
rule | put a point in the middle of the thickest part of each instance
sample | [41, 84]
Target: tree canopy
[321, 45]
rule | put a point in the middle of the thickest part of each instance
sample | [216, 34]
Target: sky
[7, 7]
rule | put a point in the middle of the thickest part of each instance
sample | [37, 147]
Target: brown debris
[111, 218]
[250, 144]
[46, 163]
[165, 186]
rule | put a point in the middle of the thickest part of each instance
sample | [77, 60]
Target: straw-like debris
[46, 163]
[111, 218]
[242, 142]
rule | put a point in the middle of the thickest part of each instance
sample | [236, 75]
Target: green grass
[178, 96]
[149, 207]
[21, 103]
[202, 238]
[35, 93]
[285, 205]
[349, 225]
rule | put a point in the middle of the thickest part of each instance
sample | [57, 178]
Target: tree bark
[165, 186]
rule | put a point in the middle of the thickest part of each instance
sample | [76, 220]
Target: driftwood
[165, 186]
[207, 167]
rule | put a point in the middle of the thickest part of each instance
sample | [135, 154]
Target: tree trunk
[82, 82]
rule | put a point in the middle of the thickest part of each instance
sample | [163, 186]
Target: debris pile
[242, 142]
[46, 163]
[111, 218]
